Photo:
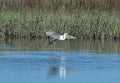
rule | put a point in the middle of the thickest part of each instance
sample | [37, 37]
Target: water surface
[79, 61]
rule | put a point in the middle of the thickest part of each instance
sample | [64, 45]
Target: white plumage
[58, 36]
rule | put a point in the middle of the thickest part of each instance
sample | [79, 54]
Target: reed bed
[60, 5]
[98, 19]
[84, 25]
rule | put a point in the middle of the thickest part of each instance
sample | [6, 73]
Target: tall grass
[64, 5]
[83, 25]
[82, 18]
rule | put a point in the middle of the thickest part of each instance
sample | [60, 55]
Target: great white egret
[56, 36]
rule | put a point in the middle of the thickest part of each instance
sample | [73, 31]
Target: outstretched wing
[70, 37]
[53, 35]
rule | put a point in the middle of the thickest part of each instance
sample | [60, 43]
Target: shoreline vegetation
[85, 19]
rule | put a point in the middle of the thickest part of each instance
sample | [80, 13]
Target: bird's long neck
[64, 36]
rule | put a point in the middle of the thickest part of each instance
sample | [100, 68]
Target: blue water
[74, 61]
[59, 67]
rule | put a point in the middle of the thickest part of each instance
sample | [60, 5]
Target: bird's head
[65, 33]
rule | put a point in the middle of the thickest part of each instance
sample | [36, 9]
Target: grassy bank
[83, 25]
[82, 18]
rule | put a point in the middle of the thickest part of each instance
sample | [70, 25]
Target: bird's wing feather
[53, 35]
[70, 37]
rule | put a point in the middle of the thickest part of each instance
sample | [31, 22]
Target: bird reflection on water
[60, 69]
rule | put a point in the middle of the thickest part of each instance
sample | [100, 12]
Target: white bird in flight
[56, 36]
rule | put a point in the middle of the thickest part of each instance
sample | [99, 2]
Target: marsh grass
[60, 5]
[83, 25]
[98, 19]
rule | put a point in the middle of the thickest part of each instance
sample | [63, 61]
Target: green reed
[84, 25]
[63, 5]
[82, 18]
